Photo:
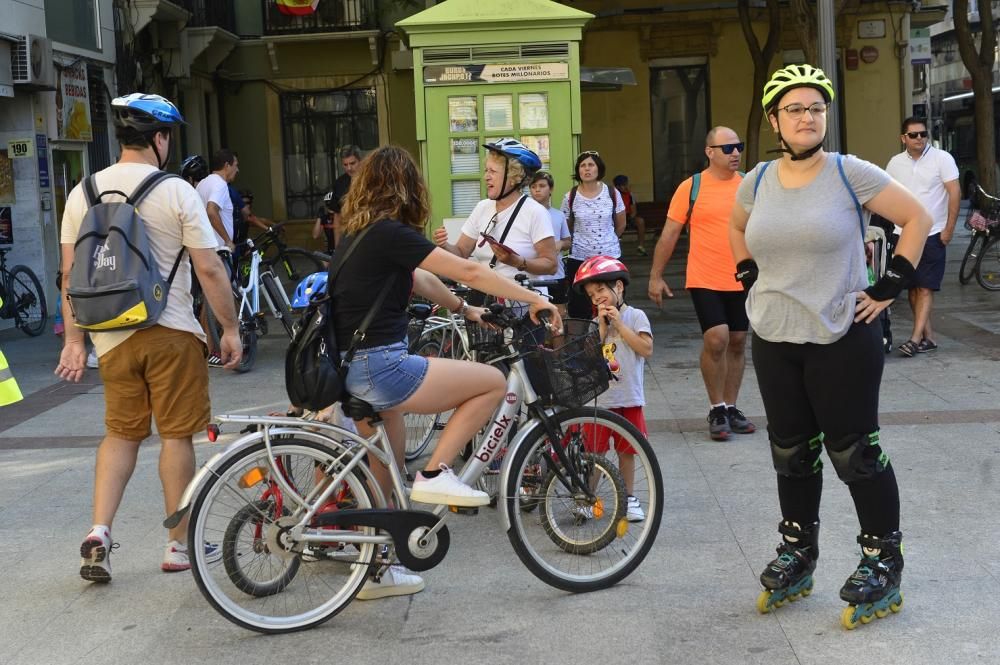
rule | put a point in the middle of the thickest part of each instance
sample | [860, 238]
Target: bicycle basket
[980, 222]
[569, 369]
[483, 339]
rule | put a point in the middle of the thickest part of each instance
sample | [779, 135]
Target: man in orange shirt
[719, 300]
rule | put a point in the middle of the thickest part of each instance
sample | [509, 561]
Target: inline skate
[873, 589]
[789, 576]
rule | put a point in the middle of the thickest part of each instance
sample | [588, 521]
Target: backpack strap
[147, 185]
[854, 197]
[572, 217]
[695, 188]
[760, 176]
[90, 191]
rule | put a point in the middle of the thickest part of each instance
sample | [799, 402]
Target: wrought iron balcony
[210, 13]
[329, 16]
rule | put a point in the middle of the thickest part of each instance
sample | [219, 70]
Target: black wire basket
[568, 369]
[484, 339]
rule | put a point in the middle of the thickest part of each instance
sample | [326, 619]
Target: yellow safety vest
[9, 392]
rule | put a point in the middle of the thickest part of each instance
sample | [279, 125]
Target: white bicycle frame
[250, 294]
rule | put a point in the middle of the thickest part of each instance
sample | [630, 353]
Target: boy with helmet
[509, 231]
[797, 235]
[628, 341]
[194, 169]
[156, 372]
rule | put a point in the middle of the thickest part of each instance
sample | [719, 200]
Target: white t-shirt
[175, 218]
[560, 231]
[531, 225]
[215, 189]
[594, 224]
[628, 389]
[925, 178]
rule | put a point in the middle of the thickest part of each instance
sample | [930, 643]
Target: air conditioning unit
[31, 62]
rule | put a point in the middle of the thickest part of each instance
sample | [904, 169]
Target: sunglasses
[489, 229]
[727, 148]
[588, 153]
[916, 135]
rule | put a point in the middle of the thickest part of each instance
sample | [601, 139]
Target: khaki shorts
[160, 373]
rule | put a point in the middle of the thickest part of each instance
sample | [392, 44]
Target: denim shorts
[385, 376]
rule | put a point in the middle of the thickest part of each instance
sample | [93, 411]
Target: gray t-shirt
[808, 244]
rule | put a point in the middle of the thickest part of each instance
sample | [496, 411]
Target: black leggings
[579, 305]
[833, 389]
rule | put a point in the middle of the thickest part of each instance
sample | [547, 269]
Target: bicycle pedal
[461, 510]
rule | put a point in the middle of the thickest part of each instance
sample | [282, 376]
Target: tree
[980, 66]
[761, 64]
[806, 26]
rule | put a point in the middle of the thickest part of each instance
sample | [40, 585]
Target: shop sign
[920, 46]
[43, 160]
[21, 148]
[496, 73]
[73, 104]
[869, 54]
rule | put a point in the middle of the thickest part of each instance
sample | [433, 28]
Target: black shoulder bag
[314, 373]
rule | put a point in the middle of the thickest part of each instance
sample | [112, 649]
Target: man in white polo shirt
[931, 174]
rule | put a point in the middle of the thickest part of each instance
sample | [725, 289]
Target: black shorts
[716, 308]
[559, 295]
[930, 268]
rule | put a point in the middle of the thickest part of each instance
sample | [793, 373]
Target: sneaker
[92, 361]
[640, 250]
[718, 424]
[446, 489]
[176, 559]
[214, 361]
[738, 422]
[634, 510]
[397, 581]
[95, 552]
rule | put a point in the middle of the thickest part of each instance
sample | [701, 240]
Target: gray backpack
[115, 283]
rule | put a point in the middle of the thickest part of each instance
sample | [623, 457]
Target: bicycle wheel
[421, 427]
[972, 254]
[27, 301]
[266, 580]
[297, 263]
[561, 543]
[280, 302]
[248, 329]
[988, 265]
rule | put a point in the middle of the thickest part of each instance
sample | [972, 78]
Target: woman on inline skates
[797, 233]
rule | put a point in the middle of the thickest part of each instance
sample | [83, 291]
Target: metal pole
[827, 34]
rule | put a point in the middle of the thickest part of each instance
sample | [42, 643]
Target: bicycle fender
[519, 438]
[211, 466]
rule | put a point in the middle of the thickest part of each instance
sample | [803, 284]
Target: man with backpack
[705, 200]
[125, 233]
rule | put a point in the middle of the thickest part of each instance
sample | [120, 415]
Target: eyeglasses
[916, 135]
[727, 148]
[489, 229]
[797, 110]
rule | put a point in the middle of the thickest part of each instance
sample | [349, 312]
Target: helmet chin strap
[160, 163]
[796, 157]
[504, 193]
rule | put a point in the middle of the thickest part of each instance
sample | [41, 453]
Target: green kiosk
[486, 70]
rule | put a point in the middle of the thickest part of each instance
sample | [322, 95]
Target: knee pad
[857, 457]
[797, 457]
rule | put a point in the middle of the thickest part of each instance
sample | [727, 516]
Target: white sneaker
[634, 510]
[92, 361]
[95, 552]
[446, 489]
[175, 558]
[397, 581]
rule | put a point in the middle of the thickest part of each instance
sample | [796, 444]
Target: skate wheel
[895, 607]
[795, 596]
[808, 590]
[763, 602]
[881, 614]
[779, 603]
[847, 619]
[866, 618]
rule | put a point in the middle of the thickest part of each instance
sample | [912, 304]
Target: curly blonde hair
[388, 185]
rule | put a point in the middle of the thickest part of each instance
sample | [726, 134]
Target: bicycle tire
[972, 253]
[421, 427]
[608, 480]
[988, 265]
[279, 300]
[326, 579]
[527, 533]
[297, 263]
[27, 301]
[254, 514]
[248, 336]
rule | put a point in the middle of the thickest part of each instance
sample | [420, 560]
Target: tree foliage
[762, 57]
[980, 65]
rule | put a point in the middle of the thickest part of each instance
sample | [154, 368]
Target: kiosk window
[534, 111]
[462, 114]
[464, 196]
[498, 113]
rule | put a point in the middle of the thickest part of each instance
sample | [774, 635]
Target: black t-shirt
[340, 187]
[389, 248]
[326, 223]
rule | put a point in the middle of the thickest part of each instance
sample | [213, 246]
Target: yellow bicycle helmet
[795, 76]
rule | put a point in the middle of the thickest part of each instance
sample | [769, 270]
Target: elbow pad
[898, 275]
[746, 273]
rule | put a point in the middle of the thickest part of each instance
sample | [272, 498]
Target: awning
[605, 78]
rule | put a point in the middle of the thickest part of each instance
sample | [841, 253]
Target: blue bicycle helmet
[313, 286]
[514, 149]
[145, 113]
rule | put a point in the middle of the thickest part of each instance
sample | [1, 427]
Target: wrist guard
[898, 275]
[746, 273]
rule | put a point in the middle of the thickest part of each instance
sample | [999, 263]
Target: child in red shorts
[628, 341]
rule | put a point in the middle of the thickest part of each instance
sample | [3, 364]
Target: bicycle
[23, 298]
[299, 514]
[295, 263]
[261, 280]
[983, 220]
